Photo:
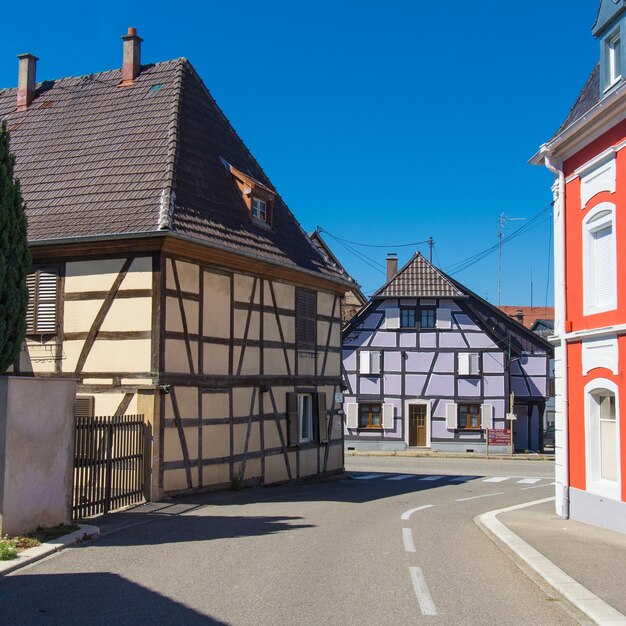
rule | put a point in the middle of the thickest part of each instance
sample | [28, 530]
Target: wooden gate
[108, 463]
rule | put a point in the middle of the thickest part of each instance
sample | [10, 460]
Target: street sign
[499, 436]
[338, 398]
[511, 416]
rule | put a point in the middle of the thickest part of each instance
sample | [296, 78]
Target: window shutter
[352, 415]
[392, 318]
[292, 418]
[306, 319]
[604, 244]
[31, 282]
[451, 416]
[364, 362]
[322, 423]
[463, 365]
[486, 413]
[444, 318]
[474, 363]
[84, 406]
[387, 415]
[47, 302]
[375, 362]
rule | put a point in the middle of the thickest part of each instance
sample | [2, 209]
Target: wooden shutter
[364, 362]
[451, 416]
[392, 318]
[486, 414]
[322, 418]
[352, 415]
[31, 283]
[387, 415]
[293, 426]
[474, 363]
[41, 315]
[463, 364]
[306, 319]
[375, 362]
[84, 406]
[444, 318]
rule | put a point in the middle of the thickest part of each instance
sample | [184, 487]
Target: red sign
[499, 436]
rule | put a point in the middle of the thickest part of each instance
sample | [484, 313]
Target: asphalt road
[391, 545]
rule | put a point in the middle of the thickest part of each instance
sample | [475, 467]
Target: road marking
[528, 481]
[462, 479]
[407, 538]
[401, 477]
[427, 606]
[537, 487]
[496, 479]
[407, 514]
[367, 476]
[485, 495]
[432, 477]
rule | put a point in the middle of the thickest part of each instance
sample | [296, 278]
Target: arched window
[599, 266]
[602, 429]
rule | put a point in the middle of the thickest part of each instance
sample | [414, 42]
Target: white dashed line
[462, 479]
[528, 481]
[407, 514]
[367, 476]
[402, 477]
[407, 538]
[537, 487]
[485, 495]
[496, 479]
[427, 606]
[432, 477]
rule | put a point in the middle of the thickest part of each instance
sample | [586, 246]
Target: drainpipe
[561, 313]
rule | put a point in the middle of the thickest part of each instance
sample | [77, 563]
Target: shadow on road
[88, 598]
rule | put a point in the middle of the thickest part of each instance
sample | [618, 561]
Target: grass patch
[10, 547]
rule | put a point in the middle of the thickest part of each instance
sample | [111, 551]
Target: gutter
[169, 233]
[561, 310]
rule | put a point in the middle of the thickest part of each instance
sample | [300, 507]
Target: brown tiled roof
[530, 314]
[96, 159]
[419, 279]
[588, 97]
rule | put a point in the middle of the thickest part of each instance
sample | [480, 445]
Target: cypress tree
[15, 258]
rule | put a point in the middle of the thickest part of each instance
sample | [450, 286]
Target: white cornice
[617, 329]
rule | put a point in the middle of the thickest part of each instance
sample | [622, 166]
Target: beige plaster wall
[36, 452]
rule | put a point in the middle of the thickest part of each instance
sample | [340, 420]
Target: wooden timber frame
[203, 343]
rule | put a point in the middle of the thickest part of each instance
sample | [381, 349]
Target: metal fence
[108, 463]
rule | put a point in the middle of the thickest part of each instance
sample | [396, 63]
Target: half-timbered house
[171, 279]
[429, 364]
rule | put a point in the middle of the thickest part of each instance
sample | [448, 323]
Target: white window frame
[305, 417]
[407, 404]
[595, 483]
[598, 218]
[613, 59]
[259, 209]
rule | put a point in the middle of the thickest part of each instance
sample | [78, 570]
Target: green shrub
[7, 551]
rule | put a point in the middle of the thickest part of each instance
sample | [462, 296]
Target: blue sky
[382, 122]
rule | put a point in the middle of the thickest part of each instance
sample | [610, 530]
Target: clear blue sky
[382, 122]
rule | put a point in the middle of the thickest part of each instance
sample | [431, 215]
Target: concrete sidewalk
[418, 453]
[583, 563]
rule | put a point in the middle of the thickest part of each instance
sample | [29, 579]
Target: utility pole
[502, 220]
[431, 243]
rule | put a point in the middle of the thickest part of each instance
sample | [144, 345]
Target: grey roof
[608, 11]
[588, 97]
[97, 159]
[419, 279]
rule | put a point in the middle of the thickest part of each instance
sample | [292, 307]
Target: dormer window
[614, 60]
[259, 209]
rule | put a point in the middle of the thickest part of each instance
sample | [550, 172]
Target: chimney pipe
[392, 265]
[132, 56]
[26, 80]
[519, 316]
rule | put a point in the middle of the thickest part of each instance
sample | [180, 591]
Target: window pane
[364, 416]
[407, 318]
[427, 318]
[376, 417]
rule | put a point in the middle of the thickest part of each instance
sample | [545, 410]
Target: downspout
[560, 302]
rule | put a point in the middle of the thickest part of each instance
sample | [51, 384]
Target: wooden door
[417, 425]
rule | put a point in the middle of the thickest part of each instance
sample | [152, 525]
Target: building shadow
[89, 598]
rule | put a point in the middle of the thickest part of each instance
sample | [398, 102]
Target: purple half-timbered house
[427, 363]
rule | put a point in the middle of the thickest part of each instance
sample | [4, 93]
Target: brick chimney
[519, 316]
[392, 265]
[26, 80]
[132, 56]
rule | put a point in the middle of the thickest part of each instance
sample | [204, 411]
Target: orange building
[589, 162]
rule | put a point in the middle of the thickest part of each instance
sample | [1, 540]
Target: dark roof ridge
[168, 196]
[112, 71]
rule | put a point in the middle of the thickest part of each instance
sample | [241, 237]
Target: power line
[371, 245]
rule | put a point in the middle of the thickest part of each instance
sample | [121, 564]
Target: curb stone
[596, 609]
[37, 553]
[452, 455]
